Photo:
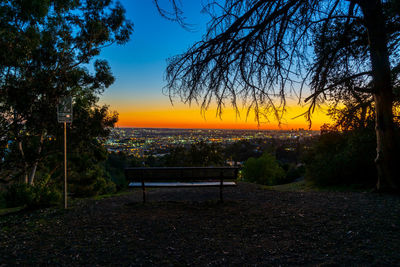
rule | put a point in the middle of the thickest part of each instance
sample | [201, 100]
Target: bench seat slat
[171, 184]
[179, 174]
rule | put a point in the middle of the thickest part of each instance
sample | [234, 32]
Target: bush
[32, 196]
[89, 186]
[343, 158]
[88, 175]
[115, 165]
[47, 196]
[263, 170]
[105, 186]
[2, 201]
[294, 173]
[19, 195]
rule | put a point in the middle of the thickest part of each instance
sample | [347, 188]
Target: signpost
[64, 115]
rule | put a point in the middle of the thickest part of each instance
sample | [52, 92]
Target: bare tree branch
[258, 53]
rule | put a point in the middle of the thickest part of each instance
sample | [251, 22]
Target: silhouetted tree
[87, 155]
[261, 51]
[342, 158]
[45, 47]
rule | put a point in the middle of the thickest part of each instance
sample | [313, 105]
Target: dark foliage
[242, 150]
[263, 170]
[197, 155]
[45, 47]
[343, 158]
[2, 200]
[294, 172]
[115, 165]
[36, 196]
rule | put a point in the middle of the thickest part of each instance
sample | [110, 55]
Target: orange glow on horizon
[170, 117]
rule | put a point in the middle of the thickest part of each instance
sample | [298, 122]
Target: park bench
[181, 177]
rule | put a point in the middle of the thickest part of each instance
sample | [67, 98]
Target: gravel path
[190, 227]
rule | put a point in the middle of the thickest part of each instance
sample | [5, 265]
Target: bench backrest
[180, 173]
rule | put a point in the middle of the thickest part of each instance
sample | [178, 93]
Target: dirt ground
[184, 226]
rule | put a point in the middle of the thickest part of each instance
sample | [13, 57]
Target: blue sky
[139, 65]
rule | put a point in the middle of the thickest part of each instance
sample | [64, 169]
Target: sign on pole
[64, 115]
[64, 110]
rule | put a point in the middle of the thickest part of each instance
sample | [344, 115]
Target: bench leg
[220, 190]
[144, 192]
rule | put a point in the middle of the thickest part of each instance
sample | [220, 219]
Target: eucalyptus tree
[259, 52]
[45, 51]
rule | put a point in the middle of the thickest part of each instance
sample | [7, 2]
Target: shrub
[88, 179]
[19, 195]
[263, 170]
[46, 196]
[105, 186]
[2, 200]
[115, 165]
[88, 173]
[31, 196]
[345, 158]
[294, 173]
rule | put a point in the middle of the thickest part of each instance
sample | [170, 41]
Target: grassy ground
[299, 186]
[121, 193]
[6, 211]
[303, 186]
[71, 201]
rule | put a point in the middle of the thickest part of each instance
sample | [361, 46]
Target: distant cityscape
[143, 142]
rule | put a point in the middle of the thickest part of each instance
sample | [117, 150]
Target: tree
[86, 153]
[45, 47]
[263, 170]
[342, 158]
[260, 52]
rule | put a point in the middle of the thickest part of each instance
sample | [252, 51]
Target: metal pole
[65, 165]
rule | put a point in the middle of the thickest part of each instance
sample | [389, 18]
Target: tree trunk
[35, 164]
[33, 173]
[387, 157]
[21, 150]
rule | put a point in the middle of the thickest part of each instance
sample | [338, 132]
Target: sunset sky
[139, 68]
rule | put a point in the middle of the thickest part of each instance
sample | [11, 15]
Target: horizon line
[184, 128]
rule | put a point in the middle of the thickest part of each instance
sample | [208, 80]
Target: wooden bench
[181, 177]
